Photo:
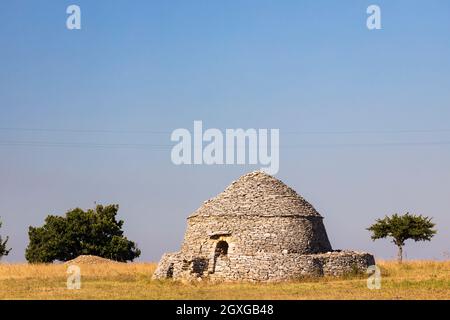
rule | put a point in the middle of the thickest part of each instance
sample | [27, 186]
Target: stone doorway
[220, 258]
[221, 248]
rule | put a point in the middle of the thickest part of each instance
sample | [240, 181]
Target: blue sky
[363, 115]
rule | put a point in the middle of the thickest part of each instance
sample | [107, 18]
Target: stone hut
[258, 229]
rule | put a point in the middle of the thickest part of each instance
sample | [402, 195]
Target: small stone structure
[258, 229]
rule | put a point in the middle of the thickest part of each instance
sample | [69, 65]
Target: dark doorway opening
[169, 273]
[221, 248]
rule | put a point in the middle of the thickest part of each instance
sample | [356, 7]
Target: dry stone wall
[264, 267]
[248, 235]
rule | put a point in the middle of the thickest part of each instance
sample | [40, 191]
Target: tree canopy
[401, 228]
[94, 232]
[3, 249]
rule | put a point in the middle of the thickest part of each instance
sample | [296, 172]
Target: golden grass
[411, 280]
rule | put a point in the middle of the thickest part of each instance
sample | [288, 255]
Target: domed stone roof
[257, 194]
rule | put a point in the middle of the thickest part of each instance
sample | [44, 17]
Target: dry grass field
[411, 280]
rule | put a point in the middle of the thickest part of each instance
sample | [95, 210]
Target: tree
[95, 232]
[402, 228]
[3, 250]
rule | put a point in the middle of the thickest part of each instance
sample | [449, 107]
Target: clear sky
[364, 116]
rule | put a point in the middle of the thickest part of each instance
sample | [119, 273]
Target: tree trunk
[400, 254]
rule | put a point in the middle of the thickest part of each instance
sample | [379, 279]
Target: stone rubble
[90, 259]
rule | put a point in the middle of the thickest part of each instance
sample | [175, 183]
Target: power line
[14, 143]
[369, 132]
[299, 132]
[376, 144]
[80, 144]
[83, 130]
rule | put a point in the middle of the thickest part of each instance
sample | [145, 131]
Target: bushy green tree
[401, 228]
[94, 232]
[3, 249]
